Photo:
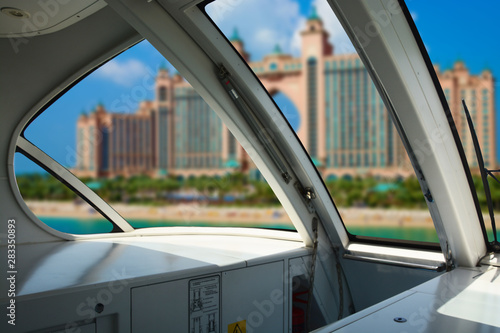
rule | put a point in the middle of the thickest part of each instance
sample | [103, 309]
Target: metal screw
[99, 307]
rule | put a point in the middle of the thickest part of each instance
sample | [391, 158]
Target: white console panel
[146, 284]
[463, 300]
[257, 295]
[251, 297]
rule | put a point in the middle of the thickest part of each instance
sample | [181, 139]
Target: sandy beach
[239, 215]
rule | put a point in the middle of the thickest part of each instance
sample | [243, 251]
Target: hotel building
[344, 124]
[479, 94]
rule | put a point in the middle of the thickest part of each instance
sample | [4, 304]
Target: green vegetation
[239, 189]
[377, 192]
[231, 189]
[38, 186]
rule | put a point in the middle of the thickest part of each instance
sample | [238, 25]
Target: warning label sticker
[204, 299]
[238, 327]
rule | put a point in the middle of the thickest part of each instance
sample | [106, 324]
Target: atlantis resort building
[344, 124]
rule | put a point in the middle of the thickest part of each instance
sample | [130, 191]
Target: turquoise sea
[100, 225]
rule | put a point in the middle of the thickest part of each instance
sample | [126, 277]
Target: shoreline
[195, 212]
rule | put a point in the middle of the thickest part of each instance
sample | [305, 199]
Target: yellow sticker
[237, 327]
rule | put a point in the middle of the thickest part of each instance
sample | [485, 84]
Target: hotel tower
[344, 124]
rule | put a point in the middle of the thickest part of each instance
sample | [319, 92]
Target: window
[346, 128]
[162, 94]
[477, 67]
[312, 99]
[156, 153]
[55, 204]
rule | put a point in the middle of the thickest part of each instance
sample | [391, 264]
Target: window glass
[467, 73]
[304, 58]
[54, 203]
[137, 134]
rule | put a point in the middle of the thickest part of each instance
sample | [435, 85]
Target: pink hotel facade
[344, 124]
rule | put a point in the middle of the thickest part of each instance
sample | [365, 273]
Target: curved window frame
[421, 245]
[43, 160]
[54, 168]
[38, 156]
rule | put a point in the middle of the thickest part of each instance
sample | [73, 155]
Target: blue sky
[452, 30]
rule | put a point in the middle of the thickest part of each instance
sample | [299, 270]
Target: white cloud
[338, 37]
[262, 24]
[296, 43]
[265, 36]
[125, 73]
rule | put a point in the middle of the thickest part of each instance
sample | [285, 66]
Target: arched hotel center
[343, 123]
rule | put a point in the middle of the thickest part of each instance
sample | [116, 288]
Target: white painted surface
[463, 300]
[255, 294]
[160, 307]
[394, 252]
[58, 266]
[479, 302]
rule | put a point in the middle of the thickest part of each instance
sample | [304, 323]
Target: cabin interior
[318, 278]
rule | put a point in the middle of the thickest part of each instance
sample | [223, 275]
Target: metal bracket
[286, 177]
[223, 73]
[428, 196]
[307, 194]
[312, 273]
[449, 258]
[254, 120]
